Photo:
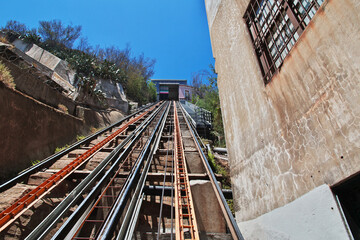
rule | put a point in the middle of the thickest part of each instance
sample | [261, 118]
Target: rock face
[114, 94]
[302, 129]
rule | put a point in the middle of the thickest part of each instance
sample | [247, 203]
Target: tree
[93, 63]
[16, 26]
[207, 97]
[152, 91]
[84, 46]
[54, 32]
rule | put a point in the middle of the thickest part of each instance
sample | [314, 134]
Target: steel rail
[234, 229]
[131, 215]
[51, 159]
[164, 180]
[133, 220]
[112, 221]
[185, 218]
[85, 204]
[109, 186]
[156, 190]
[13, 211]
[77, 193]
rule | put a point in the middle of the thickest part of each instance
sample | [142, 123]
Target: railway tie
[185, 220]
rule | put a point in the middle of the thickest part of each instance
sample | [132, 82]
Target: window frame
[279, 24]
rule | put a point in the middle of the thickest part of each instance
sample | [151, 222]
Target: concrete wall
[30, 131]
[34, 84]
[54, 67]
[300, 131]
[316, 213]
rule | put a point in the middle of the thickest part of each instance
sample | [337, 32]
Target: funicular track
[154, 182]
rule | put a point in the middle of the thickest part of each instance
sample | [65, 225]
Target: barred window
[275, 26]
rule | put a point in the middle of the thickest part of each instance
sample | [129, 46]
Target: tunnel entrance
[169, 91]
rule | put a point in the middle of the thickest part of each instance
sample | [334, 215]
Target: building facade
[288, 77]
[173, 89]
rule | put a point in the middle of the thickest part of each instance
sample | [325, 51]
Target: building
[288, 77]
[173, 89]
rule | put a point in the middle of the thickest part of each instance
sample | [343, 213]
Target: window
[187, 95]
[164, 89]
[275, 26]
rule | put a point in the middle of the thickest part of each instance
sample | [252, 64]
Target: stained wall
[300, 131]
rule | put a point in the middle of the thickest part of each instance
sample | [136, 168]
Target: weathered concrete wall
[204, 199]
[30, 131]
[34, 84]
[54, 67]
[300, 131]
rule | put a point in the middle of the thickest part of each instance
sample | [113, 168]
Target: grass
[6, 77]
[226, 178]
[216, 167]
[80, 137]
[35, 162]
[59, 149]
[230, 203]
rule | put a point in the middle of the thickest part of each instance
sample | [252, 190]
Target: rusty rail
[231, 223]
[185, 219]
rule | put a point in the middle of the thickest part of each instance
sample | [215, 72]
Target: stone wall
[300, 131]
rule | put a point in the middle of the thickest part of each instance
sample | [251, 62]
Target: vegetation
[92, 63]
[207, 96]
[63, 108]
[80, 137]
[219, 170]
[35, 162]
[6, 77]
[59, 149]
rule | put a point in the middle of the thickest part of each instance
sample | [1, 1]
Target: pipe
[220, 150]
[154, 190]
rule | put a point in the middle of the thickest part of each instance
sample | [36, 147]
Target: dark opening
[163, 96]
[348, 194]
[174, 92]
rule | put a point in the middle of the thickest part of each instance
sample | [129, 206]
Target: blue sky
[173, 32]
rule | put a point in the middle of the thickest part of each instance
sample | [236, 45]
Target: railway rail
[145, 177]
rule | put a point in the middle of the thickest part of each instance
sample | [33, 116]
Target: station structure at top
[173, 89]
[178, 90]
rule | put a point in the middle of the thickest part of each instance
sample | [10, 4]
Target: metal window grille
[275, 26]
